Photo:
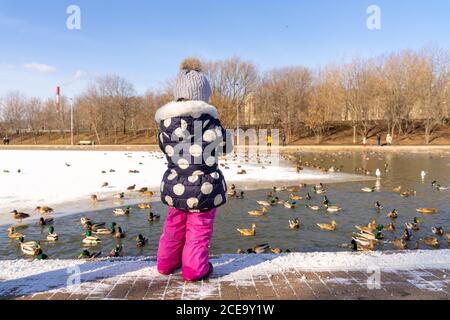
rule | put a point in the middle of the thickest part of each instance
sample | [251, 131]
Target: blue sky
[144, 40]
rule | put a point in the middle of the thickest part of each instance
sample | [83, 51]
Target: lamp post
[71, 121]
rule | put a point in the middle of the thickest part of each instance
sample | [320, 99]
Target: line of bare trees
[405, 91]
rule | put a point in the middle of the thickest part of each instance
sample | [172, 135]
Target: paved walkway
[293, 284]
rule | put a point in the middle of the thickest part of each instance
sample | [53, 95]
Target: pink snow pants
[184, 243]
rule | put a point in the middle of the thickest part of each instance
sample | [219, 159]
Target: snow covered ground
[22, 277]
[65, 180]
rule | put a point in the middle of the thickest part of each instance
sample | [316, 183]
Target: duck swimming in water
[258, 213]
[85, 254]
[294, 224]
[393, 214]
[13, 234]
[248, 232]
[45, 222]
[153, 217]
[438, 231]
[328, 227]
[52, 236]
[116, 252]
[141, 241]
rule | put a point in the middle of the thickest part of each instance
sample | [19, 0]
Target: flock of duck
[365, 237]
[93, 231]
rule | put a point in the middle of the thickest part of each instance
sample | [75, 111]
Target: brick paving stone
[139, 288]
[282, 287]
[174, 288]
[294, 284]
[157, 288]
[264, 288]
[300, 287]
[191, 290]
[229, 291]
[247, 290]
[321, 291]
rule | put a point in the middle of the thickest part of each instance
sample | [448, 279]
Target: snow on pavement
[23, 277]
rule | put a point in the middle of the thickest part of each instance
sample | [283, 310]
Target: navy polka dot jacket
[192, 138]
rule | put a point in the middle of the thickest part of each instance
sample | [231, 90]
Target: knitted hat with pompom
[191, 83]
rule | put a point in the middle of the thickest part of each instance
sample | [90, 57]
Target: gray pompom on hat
[191, 83]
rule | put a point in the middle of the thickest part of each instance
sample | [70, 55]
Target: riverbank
[375, 275]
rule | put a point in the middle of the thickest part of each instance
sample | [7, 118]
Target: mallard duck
[314, 208]
[399, 243]
[407, 193]
[52, 236]
[45, 222]
[367, 189]
[293, 189]
[371, 227]
[141, 241]
[397, 189]
[131, 188]
[279, 250]
[326, 201]
[290, 204]
[88, 224]
[104, 231]
[295, 197]
[94, 198]
[85, 254]
[259, 249]
[393, 214]
[333, 209]
[431, 241]
[258, 213]
[30, 248]
[438, 231]
[263, 203]
[105, 184]
[232, 191]
[308, 197]
[144, 206]
[12, 234]
[360, 245]
[406, 235]
[118, 233]
[438, 187]
[378, 206]
[90, 239]
[116, 251]
[414, 225]
[120, 195]
[153, 217]
[318, 191]
[121, 211]
[390, 227]
[448, 237]
[19, 216]
[427, 210]
[248, 232]
[148, 193]
[44, 210]
[328, 227]
[294, 224]
[143, 189]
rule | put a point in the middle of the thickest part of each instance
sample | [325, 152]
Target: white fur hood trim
[185, 109]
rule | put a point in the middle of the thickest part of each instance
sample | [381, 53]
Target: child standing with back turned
[192, 138]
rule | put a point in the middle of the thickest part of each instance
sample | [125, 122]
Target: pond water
[358, 209]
